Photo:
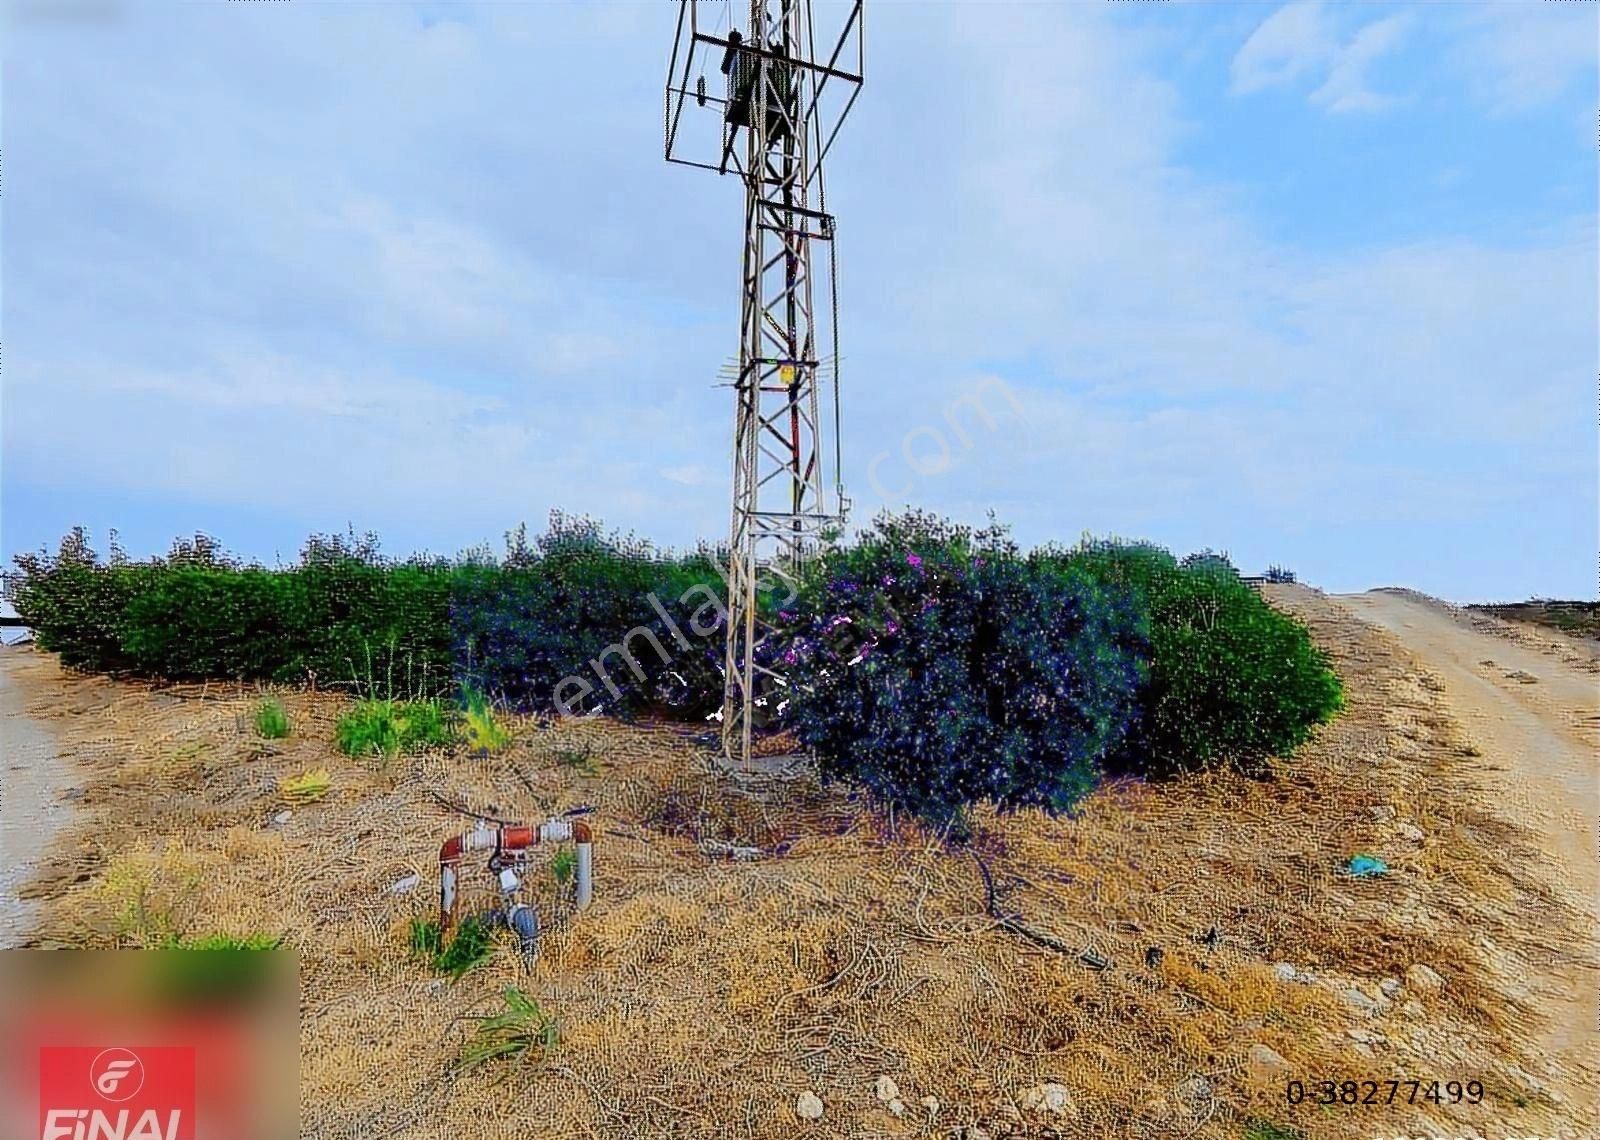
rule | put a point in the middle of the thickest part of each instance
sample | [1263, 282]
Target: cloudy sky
[1314, 284]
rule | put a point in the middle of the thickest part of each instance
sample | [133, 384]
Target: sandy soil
[1535, 714]
[32, 780]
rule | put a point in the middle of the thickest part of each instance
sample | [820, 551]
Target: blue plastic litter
[1366, 866]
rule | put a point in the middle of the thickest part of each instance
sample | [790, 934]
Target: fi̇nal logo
[116, 1093]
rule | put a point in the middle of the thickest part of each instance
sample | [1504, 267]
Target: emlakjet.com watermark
[926, 449]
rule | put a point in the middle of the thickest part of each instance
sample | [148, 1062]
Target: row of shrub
[932, 664]
[341, 615]
[940, 666]
[344, 616]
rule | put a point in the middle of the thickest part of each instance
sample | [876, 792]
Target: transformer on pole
[777, 109]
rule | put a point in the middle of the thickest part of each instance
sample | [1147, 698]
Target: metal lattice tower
[772, 120]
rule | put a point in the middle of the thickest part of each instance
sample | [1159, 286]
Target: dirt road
[1536, 717]
[32, 779]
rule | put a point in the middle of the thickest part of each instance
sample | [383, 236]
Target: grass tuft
[226, 942]
[272, 723]
[563, 864]
[521, 1027]
[484, 734]
[385, 728]
[1266, 1130]
[581, 760]
[425, 939]
[306, 788]
[468, 946]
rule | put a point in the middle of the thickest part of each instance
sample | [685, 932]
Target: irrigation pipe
[1015, 925]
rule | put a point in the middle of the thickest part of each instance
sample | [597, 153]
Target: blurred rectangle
[149, 1044]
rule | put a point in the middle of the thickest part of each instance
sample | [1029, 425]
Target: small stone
[887, 1090]
[897, 1107]
[808, 1106]
[405, 885]
[1411, 1009]
[1389, 987]
[1267, 1066]
[1522, 675]
[1196, 1093]
[281, 818]
[1412, 832]
[931, 1103]
[1424, 979]
[1285, 972]
[1360, 1000]
[1383, 813]
[1049, 1097]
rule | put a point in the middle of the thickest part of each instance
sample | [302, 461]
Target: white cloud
[1300, 41]
[1346, 86]
[1518, 56]
[690, 475]
[1288, 44]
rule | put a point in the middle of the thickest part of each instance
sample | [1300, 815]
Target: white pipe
[585, 876]
[555, 831]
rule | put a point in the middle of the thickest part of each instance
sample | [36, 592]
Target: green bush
[937, 668]
[212, 968]
[385, 728]
[272, 723]
[345, 617]
[342, 617]
[580, 602]
[1231, 680]
[198, 622]
[378, 626]
[75, 604]
[425, 937]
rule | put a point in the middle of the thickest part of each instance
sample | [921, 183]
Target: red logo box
[115, 1092]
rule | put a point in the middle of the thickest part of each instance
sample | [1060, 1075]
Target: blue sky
[1313, 284]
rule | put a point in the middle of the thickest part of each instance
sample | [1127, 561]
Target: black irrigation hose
[1015, 925]
[468, 812]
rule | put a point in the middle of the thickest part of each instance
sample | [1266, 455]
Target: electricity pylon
[771, 119]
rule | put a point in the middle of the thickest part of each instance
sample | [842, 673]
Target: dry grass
[699, 995]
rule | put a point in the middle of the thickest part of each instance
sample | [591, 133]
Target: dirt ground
[701, 996]
[32, 810]
[1528, 702]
